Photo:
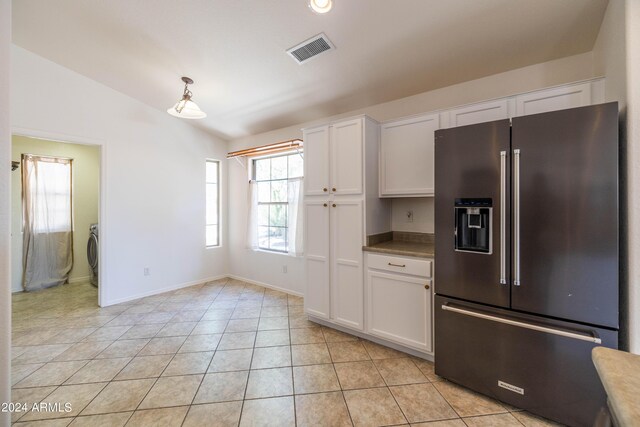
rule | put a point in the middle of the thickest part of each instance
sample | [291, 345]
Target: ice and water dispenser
[473, 225]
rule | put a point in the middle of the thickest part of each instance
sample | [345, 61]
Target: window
[46, 194]
[273, 177]
[213, 203]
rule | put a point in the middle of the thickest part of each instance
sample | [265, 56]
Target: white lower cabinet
[399, 305]
[347, 299]
[334, 261]
[317, 261]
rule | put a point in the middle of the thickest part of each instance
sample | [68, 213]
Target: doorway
[83, 162]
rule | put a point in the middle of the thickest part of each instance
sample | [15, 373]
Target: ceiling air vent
[310, 48]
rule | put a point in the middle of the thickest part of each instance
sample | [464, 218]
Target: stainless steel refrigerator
[526, 258]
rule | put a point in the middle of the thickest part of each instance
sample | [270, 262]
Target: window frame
[252, 177]
[217, 184]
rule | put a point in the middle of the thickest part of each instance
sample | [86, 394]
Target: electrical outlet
[147, 272]
[284, 269]
[409, 216]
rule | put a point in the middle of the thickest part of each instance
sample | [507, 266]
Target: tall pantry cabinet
[341, 209]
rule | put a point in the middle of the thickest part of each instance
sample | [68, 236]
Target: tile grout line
[204, 375]
[293, 378]
[344, 399]
[246, 387]
[232, 297]
[154, 383]
[448, 403]
[42, 400]
[387, 384]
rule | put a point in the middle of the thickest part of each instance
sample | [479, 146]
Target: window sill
[287, 254]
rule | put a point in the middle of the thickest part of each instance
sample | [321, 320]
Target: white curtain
[252, 217]
[295, 217]
[47, 246]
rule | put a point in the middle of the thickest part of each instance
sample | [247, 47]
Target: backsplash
[422, 208]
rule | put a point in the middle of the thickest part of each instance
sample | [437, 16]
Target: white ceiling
[244, 80]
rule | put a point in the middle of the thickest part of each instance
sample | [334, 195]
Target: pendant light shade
[185, 108]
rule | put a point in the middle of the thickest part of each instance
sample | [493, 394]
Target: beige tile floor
[221, 353]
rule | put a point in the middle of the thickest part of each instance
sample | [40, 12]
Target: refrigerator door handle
[516, 217]
[503, 191]
[545, 329]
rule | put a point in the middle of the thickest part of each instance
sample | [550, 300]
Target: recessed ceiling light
[321, 6]
[185, 108]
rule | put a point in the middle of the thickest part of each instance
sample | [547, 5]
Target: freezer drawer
[532, 363]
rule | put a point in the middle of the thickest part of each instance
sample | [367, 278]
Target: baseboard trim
[79, 279]
[163, 290]
[197, 282]
[381, 341]
[266, 285]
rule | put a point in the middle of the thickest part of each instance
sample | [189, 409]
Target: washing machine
[92, 253]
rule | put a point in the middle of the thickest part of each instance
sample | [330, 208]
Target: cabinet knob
[333, 189]
[426, 286]
[324, 189]
[334, 205]
[325, 205]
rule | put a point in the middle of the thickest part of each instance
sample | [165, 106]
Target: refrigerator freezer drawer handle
[503, 190]
[516, 217]
[544, 329]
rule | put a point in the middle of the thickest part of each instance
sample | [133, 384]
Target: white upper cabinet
[478, 113]
[316, 172]
[407, 156]
[346, 157]
[407, 145]
[335, 159]
[559, 98]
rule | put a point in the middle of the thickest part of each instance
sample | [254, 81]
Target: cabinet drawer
[415, 267]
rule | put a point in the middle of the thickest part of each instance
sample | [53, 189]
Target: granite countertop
[619, 372]
[401, 243]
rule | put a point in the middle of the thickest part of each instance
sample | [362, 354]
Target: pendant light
[320, 6]
[185, 108]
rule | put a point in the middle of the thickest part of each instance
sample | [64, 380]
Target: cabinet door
[399, 309]
[346, 157]
[316, 232]
[559, 98]
[316, 164]
[479, 113]
[347, 282]
[406, 157]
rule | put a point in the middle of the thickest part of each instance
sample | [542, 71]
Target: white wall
[617, 57]
[267, 267]
[609, 53]
[609, 60]
[152, 176]
[633, 167]
[86, 190]
[423, 211]
[259, 266]
[5, 228]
